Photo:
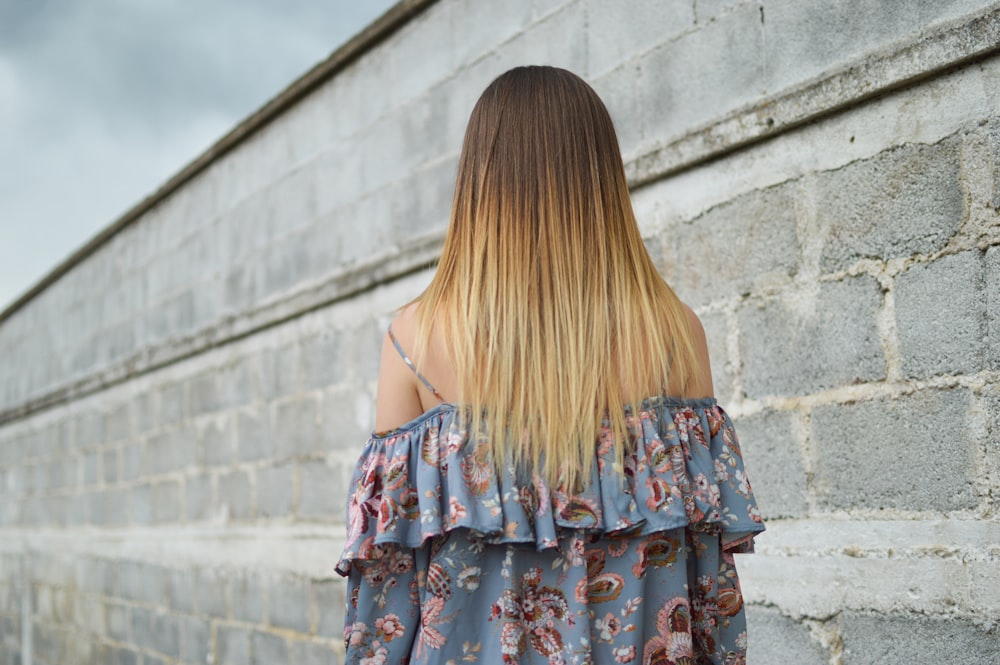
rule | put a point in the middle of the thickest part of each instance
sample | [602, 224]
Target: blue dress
[450, 562]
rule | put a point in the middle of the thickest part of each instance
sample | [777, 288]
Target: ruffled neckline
[451, 407]
[428, 477]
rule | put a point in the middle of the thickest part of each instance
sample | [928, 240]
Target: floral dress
[449, 562]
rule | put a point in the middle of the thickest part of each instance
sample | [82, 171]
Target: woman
[551, 479]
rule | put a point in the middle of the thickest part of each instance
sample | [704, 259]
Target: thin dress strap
[409, 363]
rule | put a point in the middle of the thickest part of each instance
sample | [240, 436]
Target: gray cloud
[101, 101]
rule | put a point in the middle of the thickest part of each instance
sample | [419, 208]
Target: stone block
[739, 247]
[348, 418]
[775, 638]
[195, 639]
[288, 603]
[940, 316]
[321, 495]
[774, 463]
[311, 653]
[109, 507]
[254, 439]
[330, 603]
[180, 590]
[702, 75]
[617, 32]
[240, 381]
[212, 591]
[268, 648]
[903, 201]
[118, 423]
[121, 656]
[236, 495]
[917, 452]
[141, 626]
[248, 597]
[812, 341]
[296, 427]
[140, 505]
[874, 639]
[172, 403]
[166, 634]
[361, 349]
[215, 440]
[88, 430]
[993, 303]
[706, 10]
[146, 412]
[142, 582]
[233, 645]
[239, 287]
[991, 406]
[90, 465]
[131, 461]
[619, 90]
[166, 501]
[804, 40]
[281, 371]
[109, 467]
[276, 491]
[422, 54]
[479, 28]
[116, 617]
[203, 393]
[559, 39]
[159, 454]
[425, 195]
[198, 504]
[96, 576]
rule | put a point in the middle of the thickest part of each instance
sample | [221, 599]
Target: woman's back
[452, 562]
[550, 478]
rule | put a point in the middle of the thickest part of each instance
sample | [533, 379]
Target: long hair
[550, 309]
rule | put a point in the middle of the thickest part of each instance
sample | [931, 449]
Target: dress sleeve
[383, 609]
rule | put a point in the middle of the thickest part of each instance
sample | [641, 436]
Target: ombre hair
[549, 307]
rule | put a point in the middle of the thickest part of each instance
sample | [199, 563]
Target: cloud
[103, 100]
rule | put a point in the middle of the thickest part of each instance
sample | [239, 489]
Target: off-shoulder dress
[449, 562]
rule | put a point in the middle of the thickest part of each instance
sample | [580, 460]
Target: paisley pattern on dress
[450, 562]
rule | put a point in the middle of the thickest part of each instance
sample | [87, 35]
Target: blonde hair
[551, 310]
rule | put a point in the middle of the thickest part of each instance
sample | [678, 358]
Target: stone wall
[182, 401]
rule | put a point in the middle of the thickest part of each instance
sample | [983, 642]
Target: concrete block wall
[180, 410]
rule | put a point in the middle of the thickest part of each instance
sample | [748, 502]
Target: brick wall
[180, 409]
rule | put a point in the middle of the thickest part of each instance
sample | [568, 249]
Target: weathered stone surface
[872, 639]
[618, 32]
[276, 491]
[744, 245]
[774, 463]
[940, 316]
[810, 342]
[232, 645]
[774, 638]
[703, 74]
[916, 453]
[296, 427]
[903, 201]
[268, 648]
[288, 603]
[992, 270]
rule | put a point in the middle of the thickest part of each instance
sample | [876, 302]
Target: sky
[101, 101]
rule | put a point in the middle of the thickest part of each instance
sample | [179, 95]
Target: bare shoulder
[701, 379]
[398, 399]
